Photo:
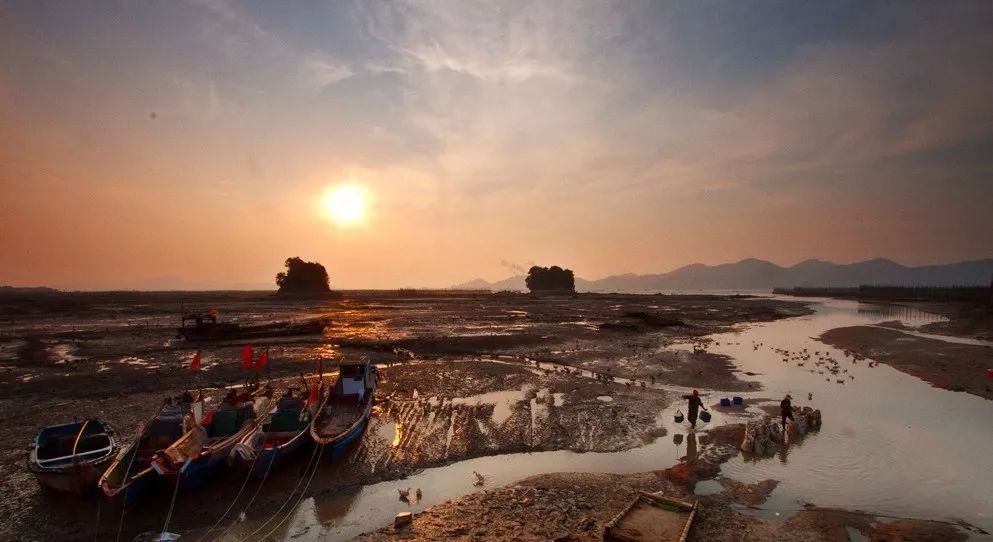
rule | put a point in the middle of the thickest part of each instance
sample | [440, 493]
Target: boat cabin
[355, 380]
[204, 322]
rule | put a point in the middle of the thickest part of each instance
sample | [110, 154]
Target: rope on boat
[250, 502]
[299, 499]
[236, 497]
[127, 473]
[290, 498]
[172, 505]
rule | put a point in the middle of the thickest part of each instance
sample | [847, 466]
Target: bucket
[678, 417]
[705, 416]
[725, 402]
[737, 400]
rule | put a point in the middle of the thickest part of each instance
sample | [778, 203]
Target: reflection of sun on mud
[362, 323]
[399, 433]
[324, 351]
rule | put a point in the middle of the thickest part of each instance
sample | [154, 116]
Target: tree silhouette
[552, 278]
[303, 277]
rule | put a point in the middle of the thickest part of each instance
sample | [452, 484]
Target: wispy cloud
[686, 131]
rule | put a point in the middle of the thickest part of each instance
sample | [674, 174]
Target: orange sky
[189, 144]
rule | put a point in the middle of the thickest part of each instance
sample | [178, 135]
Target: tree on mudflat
[554, 278]
[303, 277]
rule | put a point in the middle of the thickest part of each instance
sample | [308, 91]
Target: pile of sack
[764, 435]
[804, 419]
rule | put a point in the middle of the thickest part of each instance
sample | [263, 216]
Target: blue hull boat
[342, 418]
[130, 476]
[283, 433]
[204, 448]
[71, 457]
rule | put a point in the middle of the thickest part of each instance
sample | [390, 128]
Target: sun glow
[345, 204]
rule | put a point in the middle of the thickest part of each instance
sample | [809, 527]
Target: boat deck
[338, 417]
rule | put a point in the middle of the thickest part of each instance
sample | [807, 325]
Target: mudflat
[442, 358]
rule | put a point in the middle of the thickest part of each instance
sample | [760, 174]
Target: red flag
[246, 357]
[195, 364]
[314, 396]
[263, 359]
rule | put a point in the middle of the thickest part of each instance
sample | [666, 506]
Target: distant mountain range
[752, 274]
[26, 290]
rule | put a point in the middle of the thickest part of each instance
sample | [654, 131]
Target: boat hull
[340, 447]
[271, 458]
[241, 333]
[196, 472]
[130, 477]
[133, 492]
[324, 430]
[71, 457]
[78, 480]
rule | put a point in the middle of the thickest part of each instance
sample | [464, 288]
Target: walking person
[786, 408]
[695, 405]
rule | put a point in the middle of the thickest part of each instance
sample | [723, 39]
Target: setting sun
[345, 204]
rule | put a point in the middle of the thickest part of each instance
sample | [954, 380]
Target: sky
[192, 143]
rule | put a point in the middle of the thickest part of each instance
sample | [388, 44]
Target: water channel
[890, 444]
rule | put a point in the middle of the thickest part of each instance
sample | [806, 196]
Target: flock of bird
[823, 362]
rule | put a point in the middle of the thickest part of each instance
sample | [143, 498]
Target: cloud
[247, 39]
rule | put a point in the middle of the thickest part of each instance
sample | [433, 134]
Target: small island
[303, 277]
[552, 279]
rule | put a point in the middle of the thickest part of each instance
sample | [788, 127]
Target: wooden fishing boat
[205, 327]
[130, 476]
[205, 446]
[344, 414]
[283, 432]
[652, 516]
[71, 457]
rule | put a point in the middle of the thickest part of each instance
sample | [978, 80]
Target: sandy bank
[955, 367]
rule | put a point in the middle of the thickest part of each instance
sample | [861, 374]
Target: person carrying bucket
[694, 406]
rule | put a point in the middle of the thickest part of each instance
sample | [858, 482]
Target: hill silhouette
[755, 274]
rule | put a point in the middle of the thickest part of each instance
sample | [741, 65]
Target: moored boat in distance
[206, 442]
[205, 327]
[282, 432]
[71, 457]
[344, 414]
[130, 475]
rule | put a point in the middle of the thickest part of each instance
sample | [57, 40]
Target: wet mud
[577, 506]
[463, 376]
[951, 366]
[965, 319]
